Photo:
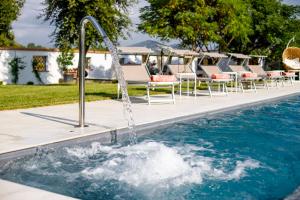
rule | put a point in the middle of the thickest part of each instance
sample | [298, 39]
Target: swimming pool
[248, 154]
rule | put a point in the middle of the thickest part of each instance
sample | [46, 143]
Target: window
[39, 63]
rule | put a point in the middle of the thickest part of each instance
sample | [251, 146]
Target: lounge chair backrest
[175, 69]
[136, 73]
[257, 69]
[209, 70]
[237, 68]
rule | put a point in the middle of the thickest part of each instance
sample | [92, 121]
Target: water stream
[128, 113]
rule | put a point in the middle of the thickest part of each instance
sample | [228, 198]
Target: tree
[197, 23]
[273, 25]
[65, 59]
[10, 10]
[246, 26]
[67, 14]
[33, 45]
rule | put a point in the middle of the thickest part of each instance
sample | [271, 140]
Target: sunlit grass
[27, 96]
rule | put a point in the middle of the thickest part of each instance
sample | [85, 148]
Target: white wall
[52, 75]
[100, 66]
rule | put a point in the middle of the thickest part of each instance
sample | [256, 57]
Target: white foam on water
[153, 164]
[82, 152]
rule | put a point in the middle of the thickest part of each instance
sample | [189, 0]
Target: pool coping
[112, 136]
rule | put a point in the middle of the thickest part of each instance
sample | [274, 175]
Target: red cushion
[220, 76]
[288, 73]
[274, 73]
[249, 75]
[163, 78]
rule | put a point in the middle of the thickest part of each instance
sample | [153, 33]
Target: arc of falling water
[118, 70]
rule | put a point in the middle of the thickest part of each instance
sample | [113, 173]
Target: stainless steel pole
[81, 72]
[81, 66]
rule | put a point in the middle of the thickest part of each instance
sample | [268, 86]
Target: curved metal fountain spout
[119, 73]
[81, 68]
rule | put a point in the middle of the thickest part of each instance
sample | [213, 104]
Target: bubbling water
[125, 97]
[154, 165]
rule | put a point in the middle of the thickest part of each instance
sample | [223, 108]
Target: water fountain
[118, 70]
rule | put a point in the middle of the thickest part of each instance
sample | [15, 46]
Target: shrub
[16, 64]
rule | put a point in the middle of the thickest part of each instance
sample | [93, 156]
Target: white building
[99, 64]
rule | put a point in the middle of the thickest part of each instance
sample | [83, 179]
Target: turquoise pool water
[246, 154]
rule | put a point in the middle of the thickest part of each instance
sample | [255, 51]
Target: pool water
[247, 154]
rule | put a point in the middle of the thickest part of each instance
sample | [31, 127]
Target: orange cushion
[163, 78]
[220, 76]
[274, 73]
[249, 75]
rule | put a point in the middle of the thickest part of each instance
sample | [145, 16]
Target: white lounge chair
[244, 76]
[182, 71]
[212, 73]
[138, 74]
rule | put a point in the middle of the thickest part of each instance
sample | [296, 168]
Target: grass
[27, 96]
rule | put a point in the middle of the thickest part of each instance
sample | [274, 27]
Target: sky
[28, 28]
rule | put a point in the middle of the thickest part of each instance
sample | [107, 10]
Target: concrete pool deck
[27, 128]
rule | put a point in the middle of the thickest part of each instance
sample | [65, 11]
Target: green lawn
[27, 96]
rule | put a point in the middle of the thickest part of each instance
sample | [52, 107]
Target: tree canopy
[66, 15]
[197, 23]
[247, 26]
[32, 45]
[10, 10]
[273, 25]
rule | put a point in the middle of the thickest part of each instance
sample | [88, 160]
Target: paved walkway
[32, 127]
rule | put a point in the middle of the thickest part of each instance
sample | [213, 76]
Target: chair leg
[195, 87]
[254, 86]
[199, 84]
[242, 87]
[209, 90]
[173, 93]
[118, 92]
[148, 95]
[223, 88]
[267, 85]
[226, 89]
[180, 87]
[188, 87]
